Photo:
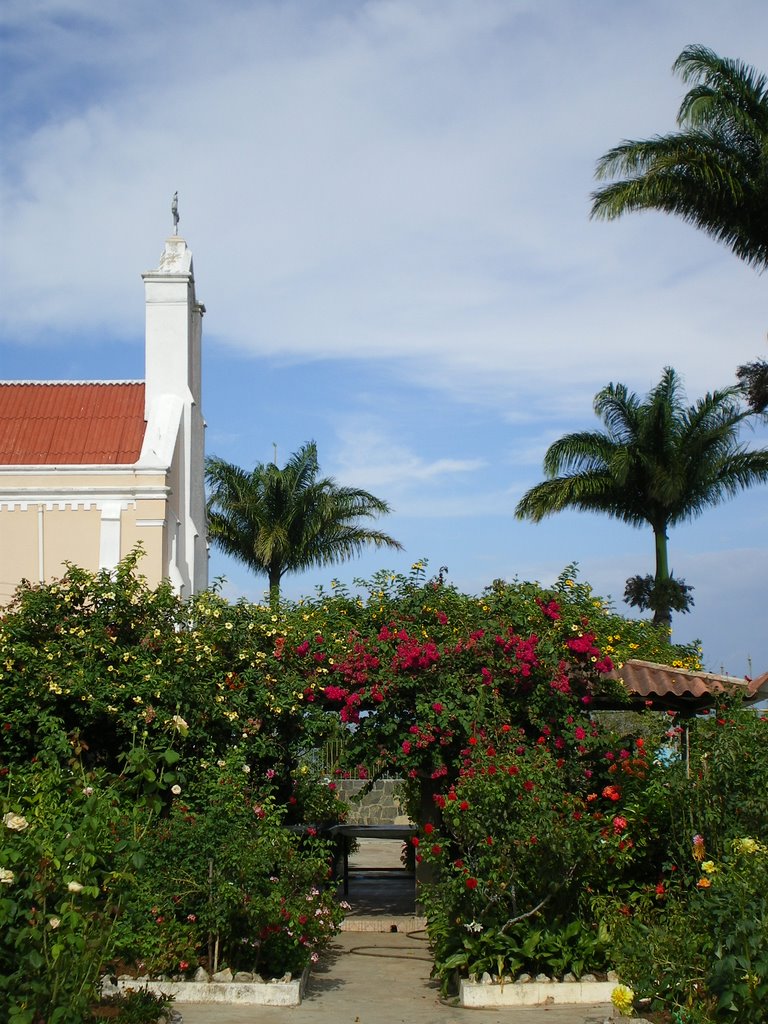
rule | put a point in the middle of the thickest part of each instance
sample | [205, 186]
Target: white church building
[89, 469]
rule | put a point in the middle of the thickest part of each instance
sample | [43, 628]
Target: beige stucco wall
[146, 523]
[58, 516]
[18, 551]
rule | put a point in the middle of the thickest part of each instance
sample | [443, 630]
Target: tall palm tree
[658, 462]
[277, 521]
[713, 172]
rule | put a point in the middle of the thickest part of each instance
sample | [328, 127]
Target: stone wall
[379, 807]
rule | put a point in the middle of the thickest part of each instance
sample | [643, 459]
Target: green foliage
[712, 172]
[705, 950]
[658, 463]
[155, 751]
[71, 846]
[526, 836]
[416, 664]
[226, 883]
[646, 592]
[136, 1006]
[698, 941]
[285, 520]
[104, 657]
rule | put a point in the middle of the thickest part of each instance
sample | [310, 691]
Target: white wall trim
[109, 537]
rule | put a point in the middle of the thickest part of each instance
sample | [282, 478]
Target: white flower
[176, 790]
[180, 724]
[6, 876]
[74, 887]
[88, 791]
[55, 922]
[15, 822]
[247, 769]
[473, 926]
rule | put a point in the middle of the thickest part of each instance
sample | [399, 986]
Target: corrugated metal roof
[67, 424]
[670, 687]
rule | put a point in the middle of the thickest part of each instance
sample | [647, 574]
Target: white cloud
[369, 457]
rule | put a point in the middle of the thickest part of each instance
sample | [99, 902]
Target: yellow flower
[709, 866]
[746, 845]
[623, 998]
[180, 725]
[15, 822]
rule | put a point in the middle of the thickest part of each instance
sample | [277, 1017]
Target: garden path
[382, 977]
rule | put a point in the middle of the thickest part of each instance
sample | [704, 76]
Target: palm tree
[713, 172]
[286, 520]
[753, 378]
[659, 462]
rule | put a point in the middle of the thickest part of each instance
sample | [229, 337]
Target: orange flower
[703, 883]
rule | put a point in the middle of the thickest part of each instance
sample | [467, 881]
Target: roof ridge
[53, 383]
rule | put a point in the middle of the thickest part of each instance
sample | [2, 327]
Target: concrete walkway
[373, 975]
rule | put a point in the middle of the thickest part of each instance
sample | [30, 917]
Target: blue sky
[387, 202]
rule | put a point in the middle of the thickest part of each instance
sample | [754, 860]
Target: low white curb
[534, 993]
[242, 993]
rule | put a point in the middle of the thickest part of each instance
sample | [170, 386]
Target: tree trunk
[274, 586]
[662, 616]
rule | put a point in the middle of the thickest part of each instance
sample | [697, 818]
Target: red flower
[619, 824]
[527, 785]
[429, 828]
[437, 850]
[464, 805]
[471, 883]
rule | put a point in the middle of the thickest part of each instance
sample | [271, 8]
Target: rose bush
[70, 848]
[224, 883]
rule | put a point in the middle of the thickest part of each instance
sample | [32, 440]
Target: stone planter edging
[476, 995]
[242, 993]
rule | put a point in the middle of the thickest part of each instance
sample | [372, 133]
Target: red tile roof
[67, 424]
[678, 688]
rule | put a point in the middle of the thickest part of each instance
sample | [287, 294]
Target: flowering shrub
[697, 942]
[106, 656]
[415, 666]
[486, 705]
[527, 835]
[224, 883]
[70, 843]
